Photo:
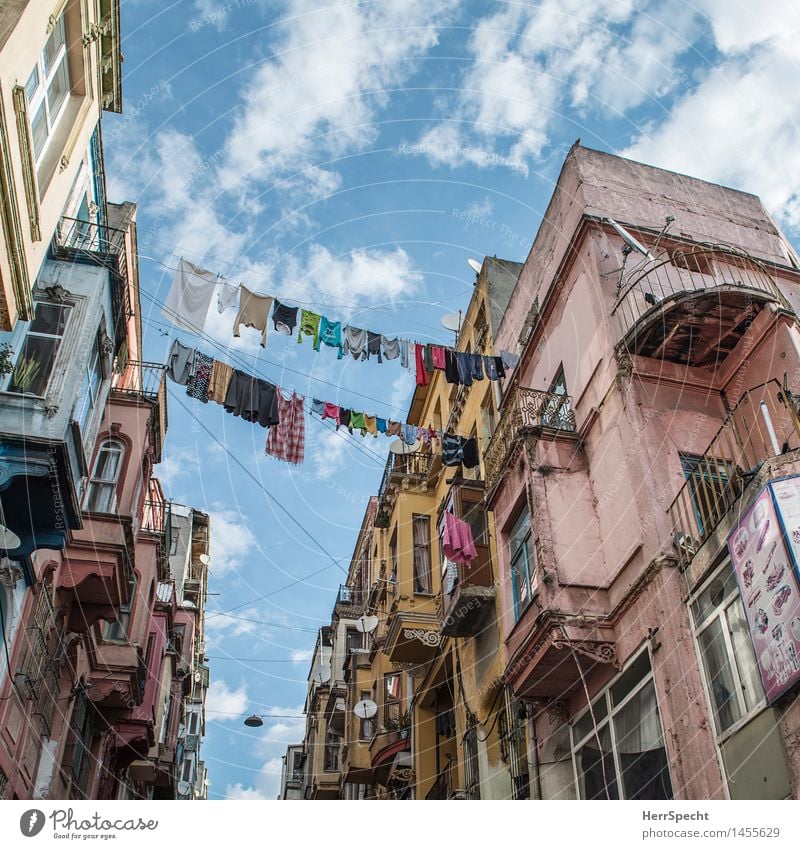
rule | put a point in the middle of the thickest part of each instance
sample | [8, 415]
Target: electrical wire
[253, 659]
[263, 622]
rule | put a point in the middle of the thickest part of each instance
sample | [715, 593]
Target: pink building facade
[656, 322]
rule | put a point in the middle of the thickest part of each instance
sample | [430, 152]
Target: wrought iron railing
[527, 411]
[349, 595]
[145, 382]
[442, 787]
[414, 466]
[760, 426]
[690, 270]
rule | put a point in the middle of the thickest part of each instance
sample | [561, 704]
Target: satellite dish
[475, 265]
[366, 624]
[452, 321]
[365, 709]
[323, 675]
[629, 240]
[400, 447]
[8, 539]
[184, 788]
[205, 559]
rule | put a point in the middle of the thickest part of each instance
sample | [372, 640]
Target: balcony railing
[93, 243]
[760, 426]
[145, 382]
[443, 785]
[527, 411]
[416, 466]
[692, 270]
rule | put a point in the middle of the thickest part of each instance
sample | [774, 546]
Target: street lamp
[254, 721]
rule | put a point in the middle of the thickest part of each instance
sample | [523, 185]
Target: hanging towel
[331, 411]
[253, 312]
[450, 366]
[374, 345]
[180, 363]
[227, 295]
[197, 385]
[284, 318]
[355, 343]
[190, 296]
[220, 380]
[330, 333]
[437, 355]
[422, 373]
[309, 326]
[391, 348]
[457, 543]
[287, 440]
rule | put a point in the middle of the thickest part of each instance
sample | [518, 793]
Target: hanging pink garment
[457, 542]
[331, 411]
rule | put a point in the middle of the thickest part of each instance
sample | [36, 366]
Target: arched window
[101, 495]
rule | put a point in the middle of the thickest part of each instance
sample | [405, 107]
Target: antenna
[367, 624]
[629, 240]
[365, 709]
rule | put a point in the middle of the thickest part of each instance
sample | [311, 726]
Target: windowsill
[737, 726]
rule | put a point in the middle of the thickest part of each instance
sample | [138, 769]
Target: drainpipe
[537, 774]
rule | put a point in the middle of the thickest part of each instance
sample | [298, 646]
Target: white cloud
[301, 655]
[232, 541]
[328, 454]
[402, 387]
[480, 209]
[739, 125]
[224, 704]
[266, 785]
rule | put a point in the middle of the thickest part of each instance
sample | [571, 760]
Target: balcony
[350, 602]
[402, 472]
[357, 764]
[527, 412]
[156, 524]
[760, 426]
[412, 638]
[146, 383]
[92, 243]
[693, 307]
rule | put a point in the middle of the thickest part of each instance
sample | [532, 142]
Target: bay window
[37, 353]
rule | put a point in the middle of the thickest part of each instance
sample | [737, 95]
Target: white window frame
[720, 613]
[38, 94]
[94, 375]
[523, 552]
[611, 711]
[94, 481]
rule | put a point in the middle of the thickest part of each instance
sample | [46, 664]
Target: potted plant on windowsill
[398, 729]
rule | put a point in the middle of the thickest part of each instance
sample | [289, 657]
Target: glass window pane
[107, 466]
[584, 725]
[630, 678]
[33, 366]
[715, 593]
[640, 748]
[101, 497]
[58, 90]
[597, 777]
[744, 655]
[520, 530]
[32, 84]
[719, 676]
[39, 130]
[54, 43]
[50, 319]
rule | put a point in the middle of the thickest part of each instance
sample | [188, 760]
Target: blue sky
[325, 153]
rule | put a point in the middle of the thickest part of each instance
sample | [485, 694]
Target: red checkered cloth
[287, 439]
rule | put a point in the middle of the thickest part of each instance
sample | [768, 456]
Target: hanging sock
[197, 385]
[284, 318]
[355, 343]
[422, 373]
[220, 380]
[190, 296]
[287, 440]
[330, 334]
[309, 326]
[227, 295]
[253, 312]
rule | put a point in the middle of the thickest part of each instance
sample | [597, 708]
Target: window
[77, 751]
[37, 354]
[92, 379]
[709, 485]
[617, 746]
[392, 689]
[367, 727]
[421, 527]
[101, 496]
[353, 640]
[48, 88]
[187, 774]
[331, 752]
[393, 559]
[556, 412]
[117, 631]
[471, 771]
[522, 578]
[513, 747]
[729, 663]
[488, 422]
[297, 766]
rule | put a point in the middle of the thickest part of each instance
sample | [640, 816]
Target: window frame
[612, 710]
[428, 548]
[96, 482]
[58, 338]
[91, 389]
[720, 613]
[513, 558]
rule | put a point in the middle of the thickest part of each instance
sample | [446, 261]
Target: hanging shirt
[374, 345]
[355, 343]
[408, 433]
[309, 326]
[494, 368]
[330, 333]
[220, 380]
[253, 312]
[422, 373]
[318, 407]
[284, 318]
[180, 362]
[457, 543]
[469, 450]
[393, 428]
[477, 366]
[344, 417]
[190, 296]
[331, 411]
[437, 355]
[452, 450]
[450, 366]
[227, 295]
[197, 385]
[464, 366]
[391, 348]
[357, 422]
[372, 425]
[380, 424]
[252, 399]
[287, 440]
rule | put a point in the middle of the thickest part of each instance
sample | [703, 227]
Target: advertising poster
[770, 592]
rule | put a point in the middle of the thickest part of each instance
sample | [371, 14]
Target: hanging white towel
[190, 296]
[228, 295]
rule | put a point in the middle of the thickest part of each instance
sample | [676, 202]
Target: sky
[350, 158]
